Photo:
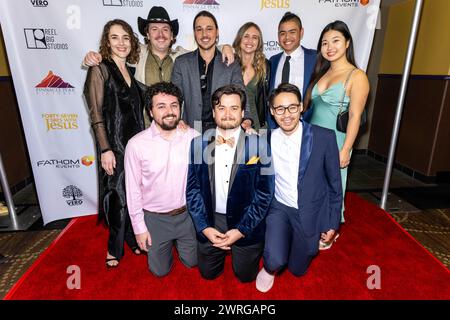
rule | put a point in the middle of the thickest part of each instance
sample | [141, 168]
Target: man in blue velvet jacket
[308, 190]
[296, 63]
[230, 186]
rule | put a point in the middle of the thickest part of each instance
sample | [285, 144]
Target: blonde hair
[259, 61]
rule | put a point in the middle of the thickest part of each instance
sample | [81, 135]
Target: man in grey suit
[199, 73]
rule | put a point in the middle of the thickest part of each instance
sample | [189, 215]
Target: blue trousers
[285, 242]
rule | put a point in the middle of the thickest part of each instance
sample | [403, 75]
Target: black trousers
[112, 202]
[245, 259]
[120, 229]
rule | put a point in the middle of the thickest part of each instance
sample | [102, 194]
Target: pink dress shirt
[156, 173]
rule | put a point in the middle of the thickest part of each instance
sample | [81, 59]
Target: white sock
[264, 280]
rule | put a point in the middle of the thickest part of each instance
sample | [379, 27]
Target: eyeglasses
[280, 110]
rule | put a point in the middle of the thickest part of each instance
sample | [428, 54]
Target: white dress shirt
[224, 156]
[297, 68]
[286, 160]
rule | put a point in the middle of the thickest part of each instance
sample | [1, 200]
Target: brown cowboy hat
[160, 15]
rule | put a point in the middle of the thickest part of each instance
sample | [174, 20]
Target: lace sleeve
[94, 91]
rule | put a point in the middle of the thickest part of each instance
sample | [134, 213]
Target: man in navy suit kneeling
[229, 189]
[308, 191]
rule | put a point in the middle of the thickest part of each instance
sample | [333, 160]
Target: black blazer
[262, 96]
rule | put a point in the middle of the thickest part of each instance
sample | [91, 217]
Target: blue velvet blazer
[251, 187]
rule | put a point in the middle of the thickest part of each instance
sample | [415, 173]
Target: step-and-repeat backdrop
[46, 41]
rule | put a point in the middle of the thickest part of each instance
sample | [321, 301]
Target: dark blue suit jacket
[319, 183]
[310, 62]
[251, 188]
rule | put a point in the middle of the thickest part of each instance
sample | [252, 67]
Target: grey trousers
[166, 231]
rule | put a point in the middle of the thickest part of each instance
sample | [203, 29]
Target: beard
[232, 123]
[166, 126]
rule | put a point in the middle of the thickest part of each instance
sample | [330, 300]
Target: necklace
[160, 65]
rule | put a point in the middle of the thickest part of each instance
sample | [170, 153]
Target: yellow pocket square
[253, 160]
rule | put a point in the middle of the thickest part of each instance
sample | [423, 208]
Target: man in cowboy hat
[160, 32]
[156, 57]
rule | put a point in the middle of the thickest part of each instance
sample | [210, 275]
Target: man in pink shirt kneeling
[156, 166]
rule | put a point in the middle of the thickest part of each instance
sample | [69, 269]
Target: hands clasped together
[221, 240]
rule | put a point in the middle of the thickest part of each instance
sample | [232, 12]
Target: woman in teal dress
[336, 80]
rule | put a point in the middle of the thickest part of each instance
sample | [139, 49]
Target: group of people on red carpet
[220, 149]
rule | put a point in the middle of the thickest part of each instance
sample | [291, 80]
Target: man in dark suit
[199, 73]
[296, 63]
[230, 186]
[308, 189]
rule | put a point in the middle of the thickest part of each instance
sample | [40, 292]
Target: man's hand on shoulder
[92, 58]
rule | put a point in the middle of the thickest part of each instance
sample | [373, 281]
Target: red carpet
[369, 237]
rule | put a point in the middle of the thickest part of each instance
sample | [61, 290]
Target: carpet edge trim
[417, 242]
[407, 233]
[16, 286]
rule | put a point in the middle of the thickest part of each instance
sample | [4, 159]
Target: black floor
[429, 197]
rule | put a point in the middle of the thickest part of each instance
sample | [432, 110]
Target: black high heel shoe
[111, 266]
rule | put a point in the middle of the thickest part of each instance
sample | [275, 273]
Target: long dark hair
[322, 64]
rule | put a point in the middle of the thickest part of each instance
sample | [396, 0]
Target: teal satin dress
[325, 108]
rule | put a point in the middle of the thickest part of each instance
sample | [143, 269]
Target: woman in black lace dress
[115, 101]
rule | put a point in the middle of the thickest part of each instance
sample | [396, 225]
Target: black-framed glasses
[280, 110]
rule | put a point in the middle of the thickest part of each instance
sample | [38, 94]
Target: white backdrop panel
[54, 35]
